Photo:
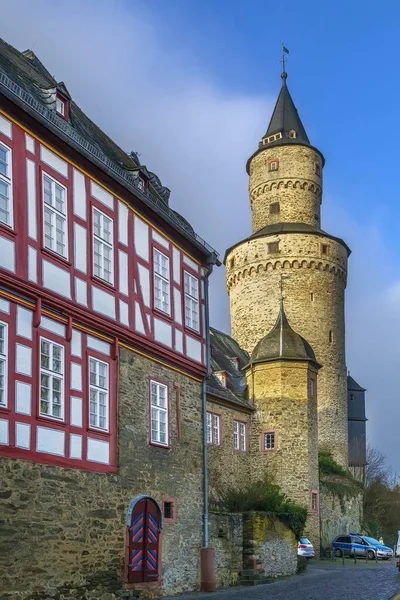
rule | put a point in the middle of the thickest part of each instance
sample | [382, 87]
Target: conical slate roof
[282, 343]
[285, 118]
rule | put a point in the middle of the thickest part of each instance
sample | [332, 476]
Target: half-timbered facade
[95, 263]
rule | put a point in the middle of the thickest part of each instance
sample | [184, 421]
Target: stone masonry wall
[314, 303]
[338, 517]
[65, 527]
[296, 176]
[226, 536]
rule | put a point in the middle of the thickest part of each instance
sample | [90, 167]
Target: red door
[144, 535]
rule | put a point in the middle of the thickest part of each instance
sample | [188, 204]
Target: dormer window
[235, 362]
[292, 134]
[272, 138]
[221, 376]
[61, 106]
[140, 183]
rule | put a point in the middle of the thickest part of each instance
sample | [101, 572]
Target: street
[323, 580]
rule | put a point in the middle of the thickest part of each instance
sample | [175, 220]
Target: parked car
[305, 548]
[352, 545]
[381, 551]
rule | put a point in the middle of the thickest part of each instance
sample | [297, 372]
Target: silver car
[305, 548]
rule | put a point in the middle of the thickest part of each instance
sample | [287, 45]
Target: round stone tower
[289, 251]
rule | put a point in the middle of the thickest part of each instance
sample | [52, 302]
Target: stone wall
[338, 516]
[66, 528]
[226, 536]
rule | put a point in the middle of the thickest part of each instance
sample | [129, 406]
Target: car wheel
[371, 555]
[337, 552]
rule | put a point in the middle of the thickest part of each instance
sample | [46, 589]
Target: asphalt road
[323, 581]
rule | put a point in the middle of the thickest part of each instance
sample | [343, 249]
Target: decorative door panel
[144, 537]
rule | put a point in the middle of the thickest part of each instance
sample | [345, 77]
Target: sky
[190, 86]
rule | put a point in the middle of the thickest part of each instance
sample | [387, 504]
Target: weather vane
[283, 59]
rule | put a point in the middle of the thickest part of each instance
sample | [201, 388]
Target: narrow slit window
[55, 216]
[159, 413]
[6, 215]
[103, 253]
[314, 501]
[324, 249]
[161, 282]
[330, 336]
[98, 393]
[51, 379]
[3, 363]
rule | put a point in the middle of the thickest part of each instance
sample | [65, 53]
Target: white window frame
[60, 105]
[156, 410]
[8, 180]
[240, 436]
[99, 389]
[213, 429]
[162, 279]
[4, 363]
[103, 244]
[192, 303]
[55, 213]
[52, 375]
[273, 165]
[265, 434]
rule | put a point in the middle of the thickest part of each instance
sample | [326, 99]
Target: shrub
[329, 466]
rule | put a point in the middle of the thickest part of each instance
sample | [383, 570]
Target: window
[311, 384]
[3, 364]
[324, 249]
[269, 440]
[330, 336]
[236, 362]
[51, 379]
[232, 263]
[213, 429]
[314, 501]
[312, 296]
[98, 393]
[140, 184]
[318, 170]
[60, 106]
[221, 376]
[55, 216]
[5, 185]
[239, 436]
[159, 413]
[274, 208]
[273, 247]
[169, 510]
[161, 282]
[191, 301]
[292, 134]
[273, 165]
[102, 246]
[352, 397]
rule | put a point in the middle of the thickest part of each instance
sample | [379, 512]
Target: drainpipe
[207, 555]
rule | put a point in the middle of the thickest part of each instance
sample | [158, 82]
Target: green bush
[262, 496]
[328, 465]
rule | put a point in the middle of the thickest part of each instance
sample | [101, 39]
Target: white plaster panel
[178, 306]
[53, 326]
[54, 161]
[23, 398]
[23, 435]
[124, 313]
[123, 272]
[144, 280]
[202, 284]
[29, 143]
[76, 377]
[139, 326]
[50, 441]
[32, 264]
[3, 431]
[203, 321]
[98, 345]
[103, 302]
[4, 306]
[5, 127]
[123, 216]
[75, 446]
[23, 360]
[24, 322]
[102, 195]
[7, 254]
[148, 317]
[190, 262]
[56, 279]
[79, 194]
[178, 341]
[98, 451]
[76, 343]
[160, 239]
[176, 264]
[141, 237]
[80, 291]
[162, 332]
[80, 248]
[31, 193]
[193, 348]
[76, 411]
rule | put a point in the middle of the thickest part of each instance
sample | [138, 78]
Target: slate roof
[26, 81]
[353, 386]
[282, 343]
[223, 350]
[282, 228]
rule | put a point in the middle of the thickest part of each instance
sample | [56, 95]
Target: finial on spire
[283, 61]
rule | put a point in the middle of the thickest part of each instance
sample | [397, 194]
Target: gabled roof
[285, 118]
[26, 82]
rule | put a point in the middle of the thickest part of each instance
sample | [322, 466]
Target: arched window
[292, 134]
[144, 523]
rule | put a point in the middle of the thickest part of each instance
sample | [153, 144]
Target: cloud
[152, 96]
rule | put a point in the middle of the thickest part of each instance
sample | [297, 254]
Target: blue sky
[191, 85]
